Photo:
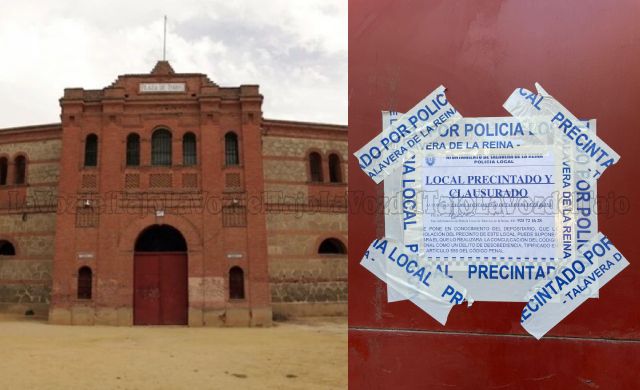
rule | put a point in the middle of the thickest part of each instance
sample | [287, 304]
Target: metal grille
[189, 180]
[231, 149]
[189, 149]
[87, 217]
[132, 180]
[161, 147]
[234, 216]
[133, 150]
[89, 181]
[232, 180]
[160, 180]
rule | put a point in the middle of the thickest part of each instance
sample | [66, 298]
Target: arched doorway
[160, 278]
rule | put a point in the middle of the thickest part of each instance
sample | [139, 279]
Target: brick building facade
[167, 199]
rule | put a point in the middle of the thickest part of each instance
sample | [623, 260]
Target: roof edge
[289, 123]
[48, 126]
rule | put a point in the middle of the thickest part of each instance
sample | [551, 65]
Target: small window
[85, 283]
[315, 167]
[236, 283]
[4, 170]
[87, 217]
[7, 248]
[234, 216]
[332, 246]
[91, 151]
[21, 169]
[189, 149]
[231, 156]
[133, 150]
[335, 174]
[161, 147]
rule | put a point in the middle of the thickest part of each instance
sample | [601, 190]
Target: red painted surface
[160, 289]
[586, 54]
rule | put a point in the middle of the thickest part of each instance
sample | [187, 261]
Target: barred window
[231, 149]
[91, 151]
[315, 167]
[161, 147]
[85, 282]
[4, 170]
[133, 150]
[21, 170]
[236, 283]
[335, 173]
[87, 217]
[189, 149]
[234, 216]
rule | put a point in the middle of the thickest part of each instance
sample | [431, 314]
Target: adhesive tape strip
[530, 107]
[423, 284]
[560, 294]
[394, 144]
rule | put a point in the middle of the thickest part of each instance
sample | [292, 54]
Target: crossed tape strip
[400, 141]
[413, 278]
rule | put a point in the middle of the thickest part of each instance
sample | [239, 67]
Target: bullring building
[165, 198]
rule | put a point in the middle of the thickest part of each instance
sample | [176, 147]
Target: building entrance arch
[160, 277]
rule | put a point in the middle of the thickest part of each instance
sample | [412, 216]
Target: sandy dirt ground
[301, 354]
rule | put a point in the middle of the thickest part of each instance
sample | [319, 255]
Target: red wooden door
[587, 55]
[173, 289]
[160, 289]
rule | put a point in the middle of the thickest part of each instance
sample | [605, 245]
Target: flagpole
[164, 44]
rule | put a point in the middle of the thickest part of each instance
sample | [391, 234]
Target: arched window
[133, 150]
[85, 282]
[161, 147]
[236, 283]
[189, 149]
[231, 156]
[335, 174]
[20, 165]
[7, 248]
[4, 170]
[91, 151]
[332, 246]
[315, 167]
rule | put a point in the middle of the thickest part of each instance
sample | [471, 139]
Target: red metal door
[587, 55]
[160, 289]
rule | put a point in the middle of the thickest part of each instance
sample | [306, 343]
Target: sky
[296, 50]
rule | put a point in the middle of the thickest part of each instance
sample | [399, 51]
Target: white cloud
[295, 50]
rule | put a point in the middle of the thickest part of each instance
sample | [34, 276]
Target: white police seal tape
[570, 286]
[530, 107]
[392, 220]
[424, 285]
[394, 144]
[502, 275]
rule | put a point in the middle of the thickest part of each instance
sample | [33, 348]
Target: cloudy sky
[296, 50]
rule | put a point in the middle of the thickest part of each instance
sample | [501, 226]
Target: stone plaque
[163, 87]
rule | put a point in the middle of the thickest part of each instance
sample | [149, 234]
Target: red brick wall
[209, 112]
[123, 203]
